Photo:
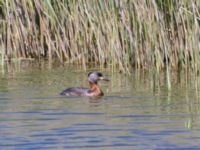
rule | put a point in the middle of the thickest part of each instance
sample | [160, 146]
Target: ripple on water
[130, 115]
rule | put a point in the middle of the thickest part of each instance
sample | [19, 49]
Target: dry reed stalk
[119, 34]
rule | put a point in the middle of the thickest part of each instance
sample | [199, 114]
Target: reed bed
[120, 34]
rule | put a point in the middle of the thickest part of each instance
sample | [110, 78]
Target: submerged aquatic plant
[119, 34]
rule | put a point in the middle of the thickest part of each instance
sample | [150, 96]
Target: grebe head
[93, 77]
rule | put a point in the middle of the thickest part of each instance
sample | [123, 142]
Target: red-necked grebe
[94, 90]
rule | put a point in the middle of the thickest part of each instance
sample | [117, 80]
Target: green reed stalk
[119, 34]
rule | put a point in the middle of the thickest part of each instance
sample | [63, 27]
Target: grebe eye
[99, 74]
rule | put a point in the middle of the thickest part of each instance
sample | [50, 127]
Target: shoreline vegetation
[122, 34]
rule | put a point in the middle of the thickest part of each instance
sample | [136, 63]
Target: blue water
[133, 114]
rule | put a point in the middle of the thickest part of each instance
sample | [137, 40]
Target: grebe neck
[95, 89]
[93, 86]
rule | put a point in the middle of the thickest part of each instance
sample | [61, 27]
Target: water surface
[137, 112]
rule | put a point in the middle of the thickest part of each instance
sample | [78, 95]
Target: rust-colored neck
[95, 90]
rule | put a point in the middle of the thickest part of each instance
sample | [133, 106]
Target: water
[136, 112]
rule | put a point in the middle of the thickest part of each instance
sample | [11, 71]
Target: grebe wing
[75, 91]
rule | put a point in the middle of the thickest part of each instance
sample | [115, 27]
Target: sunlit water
[137, 112]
